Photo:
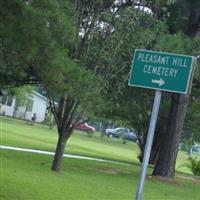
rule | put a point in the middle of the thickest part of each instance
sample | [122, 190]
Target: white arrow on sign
[159, 82]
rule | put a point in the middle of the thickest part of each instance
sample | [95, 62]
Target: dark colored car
[123, 133]
[130, 136]
[116, 132]
[196, 149]
[85, 127]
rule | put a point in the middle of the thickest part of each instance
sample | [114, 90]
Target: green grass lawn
[27, 176]
[19, 133]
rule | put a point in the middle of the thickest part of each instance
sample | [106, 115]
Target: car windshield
[119, 129]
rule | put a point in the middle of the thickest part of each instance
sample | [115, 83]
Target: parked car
[123, 133]
[196, 149]
[85, 127]
[116, 132]
[130, 136]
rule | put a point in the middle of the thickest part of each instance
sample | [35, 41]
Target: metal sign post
[149, 142]
[162, 72]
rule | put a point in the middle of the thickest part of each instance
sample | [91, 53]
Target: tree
[130, 27]
[38, 45]
[78, 97]
[134, 108]
[171, 41]
[193, 117]
[112, 49]
[29, 37]
[106, 61]
[179, 102]
[80, 42]
[21, 94]
[96, 51]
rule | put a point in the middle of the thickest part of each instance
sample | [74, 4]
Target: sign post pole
[149, 142]
[162, 72]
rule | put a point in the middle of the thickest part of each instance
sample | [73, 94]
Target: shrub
[194, 165]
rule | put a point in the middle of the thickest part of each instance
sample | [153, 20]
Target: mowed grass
[18, 133]
[27, 176]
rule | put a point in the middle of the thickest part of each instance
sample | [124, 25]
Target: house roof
[39, 95]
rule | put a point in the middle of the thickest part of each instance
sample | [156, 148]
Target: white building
[36, 104]
[7, 105]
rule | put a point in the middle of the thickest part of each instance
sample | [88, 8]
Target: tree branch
[53, 109]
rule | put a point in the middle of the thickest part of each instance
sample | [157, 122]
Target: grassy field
[27, 176]
[19, 133]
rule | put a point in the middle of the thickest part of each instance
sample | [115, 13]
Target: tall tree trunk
[154, 152]
[169, 147]
[160, 130]
[59, 153]
[63, 115]
[165, 165]
[194, 23]
[155, 149]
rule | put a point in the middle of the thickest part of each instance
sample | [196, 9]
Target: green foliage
[21, 94]
[49, 120]
[193, 118]
[111, 52]
[32, 35]
[38, 41]
[187, 144]
[176, 43]
[129, 30]
[194, 165]
[179, 14]
[196, 51]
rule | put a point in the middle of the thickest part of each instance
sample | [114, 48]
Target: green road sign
[161, 71]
